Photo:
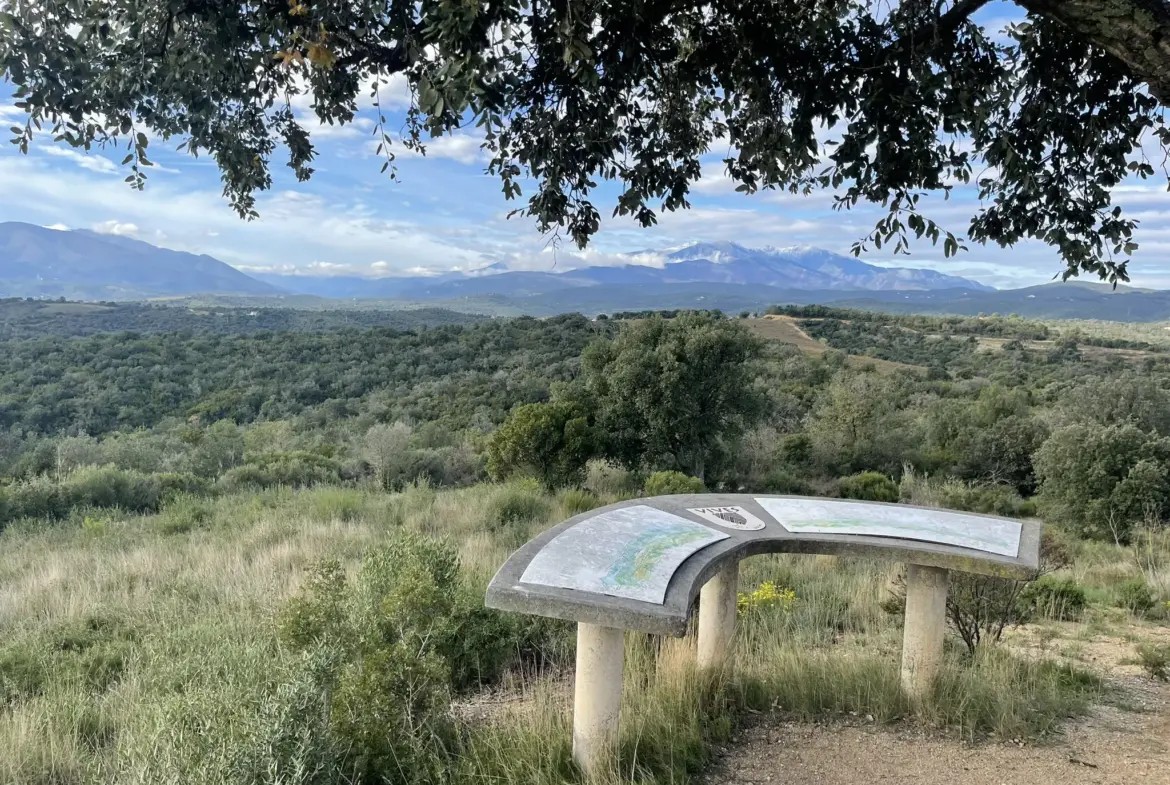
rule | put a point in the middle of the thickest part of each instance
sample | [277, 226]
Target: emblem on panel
[729, 517]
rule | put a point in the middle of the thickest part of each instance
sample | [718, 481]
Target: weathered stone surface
[509, 592]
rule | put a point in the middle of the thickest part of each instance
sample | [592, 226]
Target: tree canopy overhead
[878, 100]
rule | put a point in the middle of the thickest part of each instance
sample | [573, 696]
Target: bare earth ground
[785, 329]
[1111, 746]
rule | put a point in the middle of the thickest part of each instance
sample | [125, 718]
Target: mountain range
[84, 265]
[803, 268]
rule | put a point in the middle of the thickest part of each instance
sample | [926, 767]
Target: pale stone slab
[831, 516]
[553, 577]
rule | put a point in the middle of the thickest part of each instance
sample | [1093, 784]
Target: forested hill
[20, 318]
[458, 375]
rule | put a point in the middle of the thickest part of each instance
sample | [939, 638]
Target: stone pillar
[597, 696]
[717, 610]
[925, 623]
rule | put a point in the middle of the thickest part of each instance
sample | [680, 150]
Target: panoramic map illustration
[981, 533]
[631, 553]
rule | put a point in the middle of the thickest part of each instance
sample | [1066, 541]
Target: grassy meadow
[156, 649]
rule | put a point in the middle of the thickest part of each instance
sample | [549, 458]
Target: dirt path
[1110, 747]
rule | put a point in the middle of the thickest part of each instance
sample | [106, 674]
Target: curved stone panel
[639, 564]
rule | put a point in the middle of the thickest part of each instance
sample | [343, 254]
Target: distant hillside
[1051, 301]
[1071, 300]
[84, 265]
[801, 268]
[22, 319]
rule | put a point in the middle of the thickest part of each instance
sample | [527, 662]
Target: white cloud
[91, 161]
[121, 229]
[392, 94]
[462, 147]
[295, 230]
[360, 128]
[10, 115]
[58, 227]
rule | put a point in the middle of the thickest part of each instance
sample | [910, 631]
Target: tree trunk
[1136, 32]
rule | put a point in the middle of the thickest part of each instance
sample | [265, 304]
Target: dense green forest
[262, 557]
[28, 318]
[987, 414]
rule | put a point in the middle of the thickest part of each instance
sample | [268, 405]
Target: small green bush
[44, 498]
[393, 642]
[389, 714]
[90, 652]
[606, 479]
[186, 514]
[517, 504]
[1135, 595]
[988, 499]
[667, 483]
[1062, 599]
[576, 501]
[780, 480]
[870, 486]
[335, 504]
[1155, 660]
[393, 628]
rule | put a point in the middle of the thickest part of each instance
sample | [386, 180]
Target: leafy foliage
[1155, 659]
[1105, 480]
[551, 441]
[871, 486]
[671, 482]
[674, 389]
[1045, 119]
[1135, 595]
[1051, 597]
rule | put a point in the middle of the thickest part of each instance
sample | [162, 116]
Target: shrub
[409, 591]
[1135, 596]
[93, 487]
[172, 484]
[394, 626]
[1050, 597]
[766, 595]
[981, 607]
[389, 714]
[551, 441]
[186, 514]
[109, 487]
[39, 497]
[606, 479]
[517, 504]
[667, 483]
[780, 480]
[335, 504]
[954, 494]
[290, 469]
[576, 501]
[1155, 660]
[870, 486]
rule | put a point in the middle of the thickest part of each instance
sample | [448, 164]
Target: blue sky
[446, 214]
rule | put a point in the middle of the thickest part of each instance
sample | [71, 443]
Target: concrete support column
[717, 611]
[925, 623]
[597, 696]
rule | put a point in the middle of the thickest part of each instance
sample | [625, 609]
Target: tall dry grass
[142, 649]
